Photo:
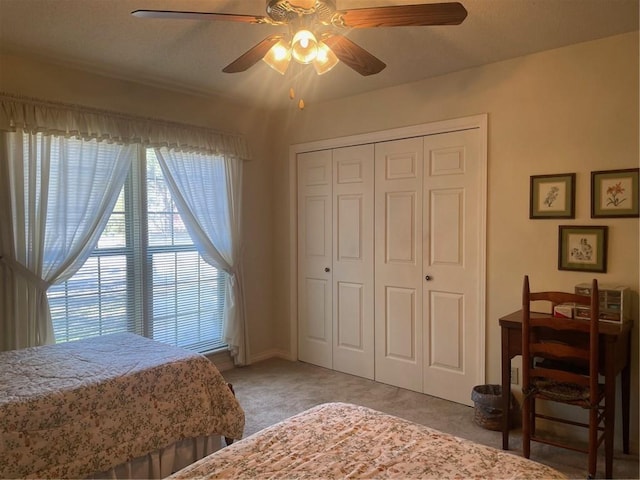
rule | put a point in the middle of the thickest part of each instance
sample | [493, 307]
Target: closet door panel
[353, 260]
[400, 327]
[398, 263]
[400, 223]
[317, 292]
[446, 312]
[315, 287]
[351, 319]
[446, 218]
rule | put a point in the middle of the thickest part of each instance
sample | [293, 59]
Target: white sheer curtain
[25, 272]
[57, 195]
[207, 190]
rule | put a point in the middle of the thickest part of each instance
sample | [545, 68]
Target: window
[145, 275]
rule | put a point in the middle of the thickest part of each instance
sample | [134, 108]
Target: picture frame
[614, 193]
[582, 248]
[552, 196]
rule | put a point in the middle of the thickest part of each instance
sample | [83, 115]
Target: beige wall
[573, 109]
[35, 78]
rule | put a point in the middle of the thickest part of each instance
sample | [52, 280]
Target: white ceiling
[102, 36]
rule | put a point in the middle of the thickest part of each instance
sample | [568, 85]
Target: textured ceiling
[102, 36]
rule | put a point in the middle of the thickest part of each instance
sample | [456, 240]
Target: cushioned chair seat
[562, 391]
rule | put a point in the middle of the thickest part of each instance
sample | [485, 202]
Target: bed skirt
[167, 460]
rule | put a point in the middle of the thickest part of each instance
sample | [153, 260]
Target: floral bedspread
[338, 440]
[76, 408]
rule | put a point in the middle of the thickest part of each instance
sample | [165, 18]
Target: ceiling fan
[314, 31]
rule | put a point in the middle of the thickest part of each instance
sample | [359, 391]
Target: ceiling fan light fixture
[321, 16]
[325, 59]
[278, 57]
[304, 46]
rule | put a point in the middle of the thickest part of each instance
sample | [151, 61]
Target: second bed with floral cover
[74, 409]
[339, 440]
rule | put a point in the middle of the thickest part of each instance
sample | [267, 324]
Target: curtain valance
[32, 115]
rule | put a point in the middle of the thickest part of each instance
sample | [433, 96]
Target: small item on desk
[615, 302]
[564, 310]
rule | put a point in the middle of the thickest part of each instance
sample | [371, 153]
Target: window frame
[139, 273]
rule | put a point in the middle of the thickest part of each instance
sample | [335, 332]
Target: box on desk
[614, 302]
[564, 310]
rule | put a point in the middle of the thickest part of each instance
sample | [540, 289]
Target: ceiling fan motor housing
[285, 11]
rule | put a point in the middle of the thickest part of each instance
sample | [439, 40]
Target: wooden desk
[615, 346]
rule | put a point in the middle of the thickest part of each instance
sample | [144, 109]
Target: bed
[119, 405]
[339, 440]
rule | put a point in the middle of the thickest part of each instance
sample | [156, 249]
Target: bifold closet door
[428, 254]
[353, 294]
[451, 297]
[335, 259]
[315, 289]
[398, 263]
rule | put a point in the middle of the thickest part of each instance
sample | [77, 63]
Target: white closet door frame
[465, 123]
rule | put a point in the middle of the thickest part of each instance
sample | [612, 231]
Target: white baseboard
[273, 353]
[223, 361]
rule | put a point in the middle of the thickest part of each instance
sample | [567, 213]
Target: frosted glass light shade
[304, 46]
[278, 57]
[325, 59]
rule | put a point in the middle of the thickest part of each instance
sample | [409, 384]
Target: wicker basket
[487, 400]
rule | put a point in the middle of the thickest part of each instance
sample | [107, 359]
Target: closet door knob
[427, 278]
[327, 269]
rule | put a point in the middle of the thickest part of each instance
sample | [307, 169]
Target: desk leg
[610, 407]
[625, 384]
[506, 388]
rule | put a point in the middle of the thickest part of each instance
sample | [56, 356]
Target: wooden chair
[560, 364]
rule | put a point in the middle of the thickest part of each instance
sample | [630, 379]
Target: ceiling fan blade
[353, 55]
[451, 13]
[177, 15]
[252, 56]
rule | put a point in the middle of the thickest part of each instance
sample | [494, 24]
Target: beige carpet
[275, 389]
